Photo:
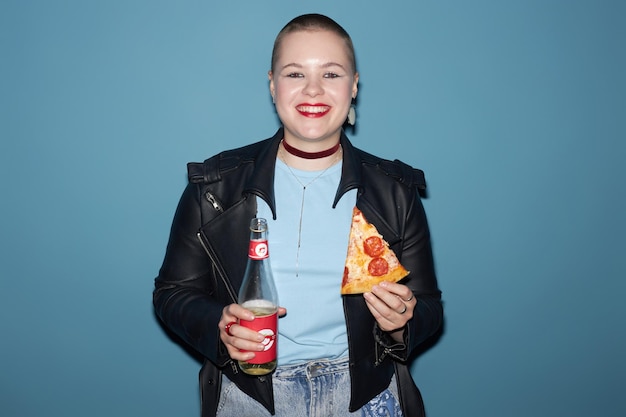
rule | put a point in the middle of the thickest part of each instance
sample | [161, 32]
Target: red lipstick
[313, 110]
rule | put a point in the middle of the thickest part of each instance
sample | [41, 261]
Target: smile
[313, 110]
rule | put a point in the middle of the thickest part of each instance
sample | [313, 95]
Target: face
[313, 84]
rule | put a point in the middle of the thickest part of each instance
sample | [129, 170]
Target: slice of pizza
[369, 261]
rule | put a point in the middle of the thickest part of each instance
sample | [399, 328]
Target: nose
[313, 87]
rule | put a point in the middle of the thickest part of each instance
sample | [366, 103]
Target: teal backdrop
[516, 111]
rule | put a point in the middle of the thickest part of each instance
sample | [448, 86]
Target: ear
[355, 85]
[270, 77]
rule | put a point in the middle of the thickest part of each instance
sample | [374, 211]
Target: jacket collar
[261, 183]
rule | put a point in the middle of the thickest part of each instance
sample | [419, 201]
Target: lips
[313, 110]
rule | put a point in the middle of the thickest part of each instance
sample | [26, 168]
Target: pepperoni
[373, 246]
[378, 267]
[346, 271]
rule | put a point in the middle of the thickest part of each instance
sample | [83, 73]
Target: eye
[294, 75]
[331, 75]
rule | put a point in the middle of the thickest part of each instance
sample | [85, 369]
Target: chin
[315, 135]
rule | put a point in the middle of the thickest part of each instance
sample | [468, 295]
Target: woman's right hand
[238, 337]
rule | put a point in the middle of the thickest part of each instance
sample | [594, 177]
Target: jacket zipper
[213, 201]
[231, 291]
[229, 287]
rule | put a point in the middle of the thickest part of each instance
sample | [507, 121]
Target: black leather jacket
[203, 267]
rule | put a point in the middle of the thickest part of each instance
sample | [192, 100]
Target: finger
[384, 316]
[238, 355]
[238, 312]
[393, 301]
[389, 308]
[388, 317]
[241, 336]
[232, 313]
[229, 327]
[400, 290]
[242, 342]
[379, 310]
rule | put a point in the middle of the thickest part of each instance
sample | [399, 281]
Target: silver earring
[351, 115]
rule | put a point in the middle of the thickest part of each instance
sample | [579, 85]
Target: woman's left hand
[392, 306]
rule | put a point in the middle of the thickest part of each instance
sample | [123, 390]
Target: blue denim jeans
[315, 389]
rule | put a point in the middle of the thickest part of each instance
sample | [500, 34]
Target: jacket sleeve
[428, 314]
[184, 295]
[417, 257]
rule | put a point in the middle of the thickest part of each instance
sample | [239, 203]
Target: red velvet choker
[310, 155]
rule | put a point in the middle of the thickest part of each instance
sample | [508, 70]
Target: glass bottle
[258, 294]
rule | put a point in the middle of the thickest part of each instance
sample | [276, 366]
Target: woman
[338, 355]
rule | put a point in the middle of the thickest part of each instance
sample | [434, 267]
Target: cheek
[343, 96]
[346, 91]
[284, 92]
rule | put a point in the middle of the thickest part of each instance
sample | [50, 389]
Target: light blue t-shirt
[308, 278]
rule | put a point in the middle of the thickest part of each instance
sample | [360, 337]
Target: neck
[309, 164]
[310, 155]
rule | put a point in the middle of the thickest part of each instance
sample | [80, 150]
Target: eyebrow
[326, 65]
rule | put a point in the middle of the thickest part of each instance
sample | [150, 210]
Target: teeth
[313, 109]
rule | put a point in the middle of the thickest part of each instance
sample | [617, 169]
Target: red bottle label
[258, 249]
[267, 326]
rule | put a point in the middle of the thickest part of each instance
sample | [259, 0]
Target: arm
[184, 296]
[401, 331]
[428, 311]
[191, 299]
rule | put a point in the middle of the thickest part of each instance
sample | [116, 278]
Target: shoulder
[212, 169]
[393, 169]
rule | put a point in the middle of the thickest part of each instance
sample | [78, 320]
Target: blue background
[516, 110]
